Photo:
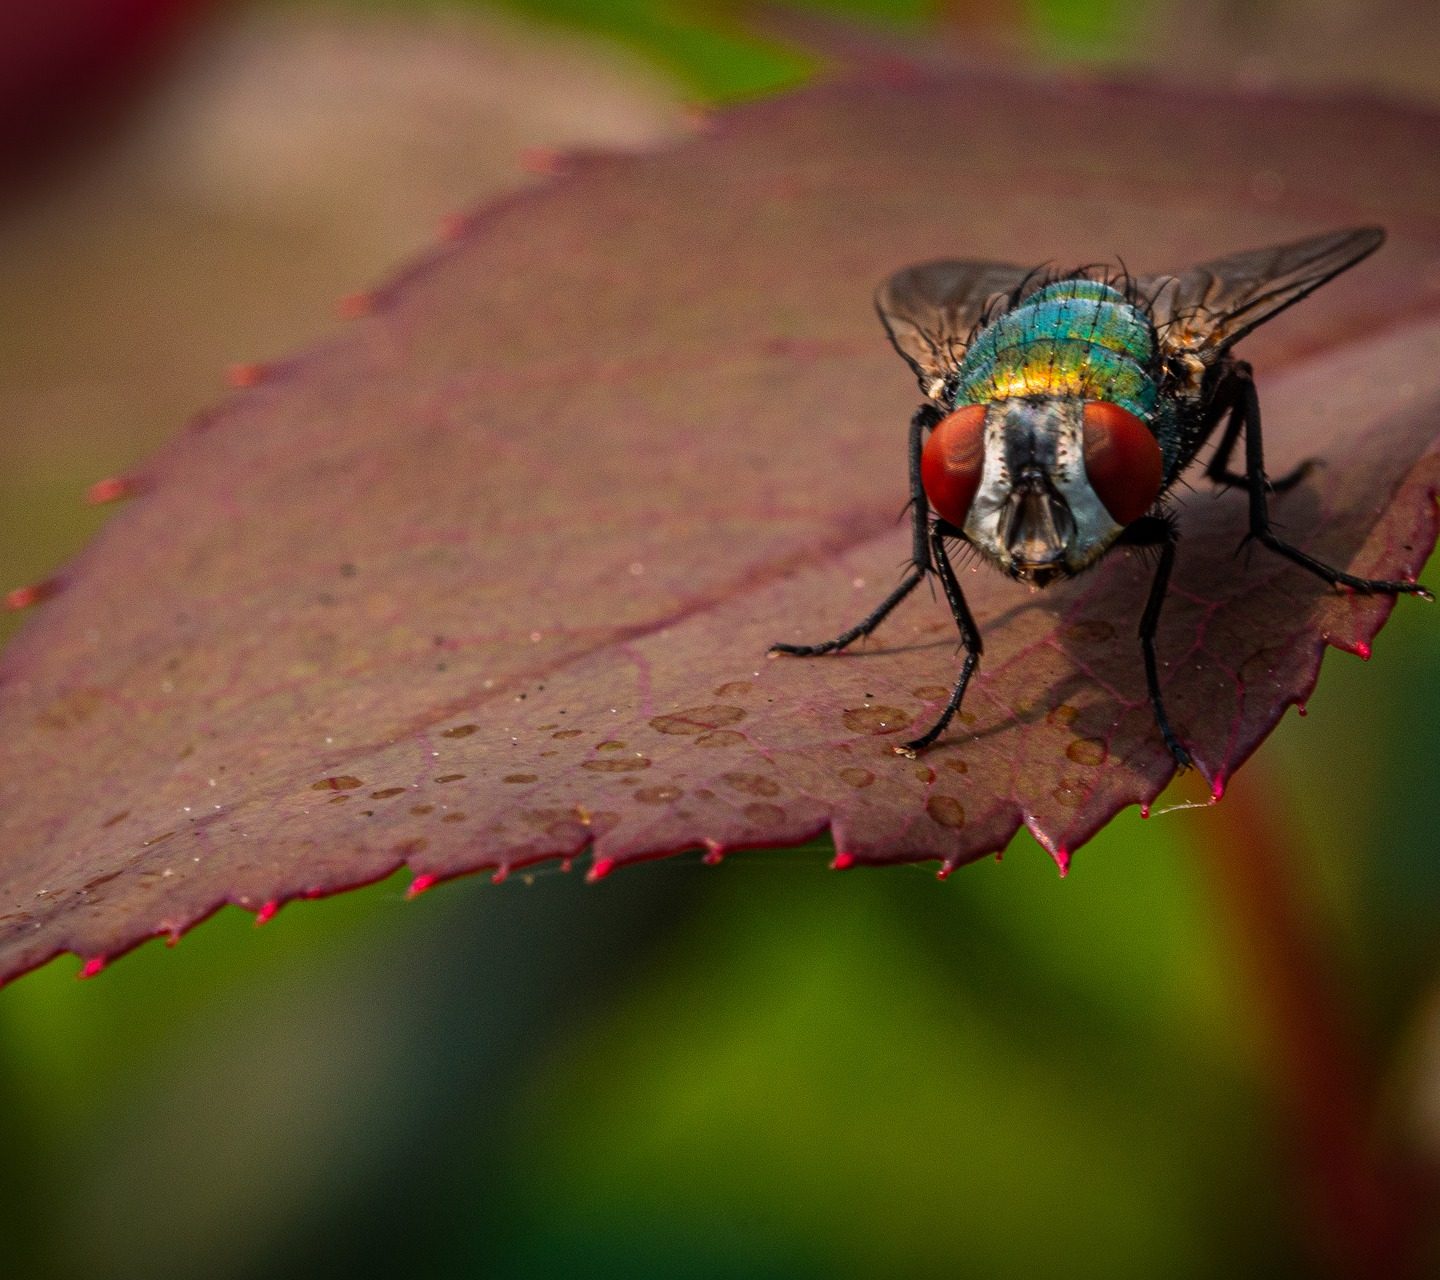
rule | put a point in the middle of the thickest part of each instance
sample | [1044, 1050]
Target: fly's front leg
[969, 636]
[1249, 409]
[1157, 531]
[1228, 406]
[920, 560]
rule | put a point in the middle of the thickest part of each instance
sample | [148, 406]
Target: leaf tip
[1061, 855]
[451, 227]
[544, 161]
[355, 305]
[240, 376]
[111, 489]
[25, 597]
[700, 119]
[420, 884]
[599, 869]
[266, 913]
[842, 862]
[1217, 788]
[91, 967]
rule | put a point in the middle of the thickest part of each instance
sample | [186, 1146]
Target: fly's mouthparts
[1037, 528]
[1036, 576]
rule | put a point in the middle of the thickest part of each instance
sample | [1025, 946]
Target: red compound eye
[952, 462]
[1122, 461]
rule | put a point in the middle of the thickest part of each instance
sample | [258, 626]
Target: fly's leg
[969, 637]
[1248, 410]
[1218, 471]
[920, 561]
[1156, 531]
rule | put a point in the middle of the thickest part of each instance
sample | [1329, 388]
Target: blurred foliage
[752, 1070]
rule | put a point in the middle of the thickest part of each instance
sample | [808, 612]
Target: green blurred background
[752, 1070]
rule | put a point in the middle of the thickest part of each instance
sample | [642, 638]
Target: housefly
[1061, 408]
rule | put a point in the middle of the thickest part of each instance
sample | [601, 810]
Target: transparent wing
[1212, 306]
[930, 309]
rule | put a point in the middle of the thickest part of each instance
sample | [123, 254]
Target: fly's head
[1041, 485]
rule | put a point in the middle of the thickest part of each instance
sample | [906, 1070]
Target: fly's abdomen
[1076, 338]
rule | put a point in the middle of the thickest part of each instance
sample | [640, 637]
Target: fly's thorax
[1036, 514]
[1074, 338]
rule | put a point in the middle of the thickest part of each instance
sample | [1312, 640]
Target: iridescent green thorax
[1072, 338]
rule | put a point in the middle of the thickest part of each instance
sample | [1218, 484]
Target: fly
[1061, 409]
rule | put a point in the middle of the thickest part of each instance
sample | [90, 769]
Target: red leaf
[491, 580]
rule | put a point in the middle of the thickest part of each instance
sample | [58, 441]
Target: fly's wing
[1207, 309]
[929, 311]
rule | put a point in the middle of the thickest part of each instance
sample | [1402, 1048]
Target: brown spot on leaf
[455, 816]
[734, 689]
[163, 836]
[519, 777]
[1089, 751]
[386, 793]
[956, 765]
[876, 720]
[752, 784]
[420, 810]
[71, 709]
[931, 693]
[697, 720]
[460, 731]
[1070, 793]
[409, 848]
[602, 821]
[551, 817]
[658, 795]
[856, 777]
[720, 738]
[567, 733]
[450, 777]
[946, 811]
[341, 782]
[567, 831]
[626, 764]
[759, 811]
[610, 744]
[116, 817]
[1063, 715]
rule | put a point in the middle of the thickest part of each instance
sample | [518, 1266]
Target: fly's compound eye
[952, 462]
[1122, 461]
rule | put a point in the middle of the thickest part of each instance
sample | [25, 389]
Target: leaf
[490, 579]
